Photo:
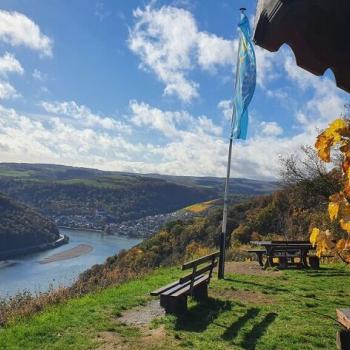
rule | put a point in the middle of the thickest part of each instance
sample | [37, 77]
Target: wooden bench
[259, 253]
[173, 297]
[343, 336]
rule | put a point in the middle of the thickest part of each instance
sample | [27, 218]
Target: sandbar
[68, 254]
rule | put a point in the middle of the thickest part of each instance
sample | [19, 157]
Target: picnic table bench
[343, 336]
[173, 297]
[286, 252]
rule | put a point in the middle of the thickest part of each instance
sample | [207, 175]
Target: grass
[15, 173]
[200, 207]
[279, 312]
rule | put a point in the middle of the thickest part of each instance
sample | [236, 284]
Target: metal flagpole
[221, 271]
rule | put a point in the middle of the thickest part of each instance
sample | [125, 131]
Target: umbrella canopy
[318, 32]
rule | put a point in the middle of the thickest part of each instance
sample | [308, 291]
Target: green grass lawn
[287, 311]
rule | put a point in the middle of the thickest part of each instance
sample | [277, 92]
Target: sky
[146, 86]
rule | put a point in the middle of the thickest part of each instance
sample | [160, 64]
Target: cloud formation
[169, 43]
[17, 29]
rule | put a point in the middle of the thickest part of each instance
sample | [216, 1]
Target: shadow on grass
[327, 272]
[232, 331]
[250, 339]
[264, 286]
[198, 318]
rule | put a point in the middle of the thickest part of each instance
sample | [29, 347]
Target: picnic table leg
[269, 262]
[314, 262]
[303, 259]
[260, 259]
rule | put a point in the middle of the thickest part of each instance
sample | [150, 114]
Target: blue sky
[146, 87]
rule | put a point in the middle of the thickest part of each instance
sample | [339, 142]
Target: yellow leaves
[331, 136]
[336, 135]
[345, 225]
[342, 244]
[333, 209]
[314, 234]
[323, 240]
[323, 145]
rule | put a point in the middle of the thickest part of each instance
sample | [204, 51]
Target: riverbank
[81, 229]
[14, 253]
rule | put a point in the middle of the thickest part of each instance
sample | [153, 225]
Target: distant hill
[99, 197]
[22, 227]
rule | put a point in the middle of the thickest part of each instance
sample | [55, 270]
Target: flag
[245, 81]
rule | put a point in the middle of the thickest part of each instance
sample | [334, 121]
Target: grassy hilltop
[284, 311]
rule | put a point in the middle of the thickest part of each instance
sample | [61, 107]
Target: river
[27, 273]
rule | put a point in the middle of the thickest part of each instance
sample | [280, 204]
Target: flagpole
[221, 272]
[221, 269]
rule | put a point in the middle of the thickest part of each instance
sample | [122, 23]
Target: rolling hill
[94, 197]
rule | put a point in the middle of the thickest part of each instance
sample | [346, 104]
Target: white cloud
[169, 43]
[17, 29]
[100, 12]
[83, 115]
[171, 124]
[7, 91]
[9, 64]
[176, 142]
[225, 106]
[270, 129]
[38, 75]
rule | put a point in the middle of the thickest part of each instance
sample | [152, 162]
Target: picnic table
[286, 252]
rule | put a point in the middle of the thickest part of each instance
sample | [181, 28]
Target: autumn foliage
[336, 138]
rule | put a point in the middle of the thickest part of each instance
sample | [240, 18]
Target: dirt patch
[249, 268]
[111, 341]
[68, 254]
[147, 340]
[140, 318]
[243, 296]
[142, 315]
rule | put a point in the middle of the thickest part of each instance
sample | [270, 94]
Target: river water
[26, 273]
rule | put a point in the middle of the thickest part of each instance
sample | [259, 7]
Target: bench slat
[163, 289]
[187, 288]
[199, 261]
[178, 286]
[198, 272]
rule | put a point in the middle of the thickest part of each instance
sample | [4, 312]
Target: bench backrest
[210, 262]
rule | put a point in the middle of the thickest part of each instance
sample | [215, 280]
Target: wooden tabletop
[284, 244]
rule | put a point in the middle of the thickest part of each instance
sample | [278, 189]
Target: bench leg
[200, 293]
[173, 305]
[343, 340]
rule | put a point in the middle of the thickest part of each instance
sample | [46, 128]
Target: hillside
[22, 227]
[93, 198]
[289, 310]
[285, 214]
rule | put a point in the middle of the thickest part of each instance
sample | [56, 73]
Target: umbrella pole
[221, 273]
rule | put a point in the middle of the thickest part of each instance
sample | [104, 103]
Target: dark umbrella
[318, 32]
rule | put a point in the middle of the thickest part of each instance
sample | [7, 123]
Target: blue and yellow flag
[245, 81]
